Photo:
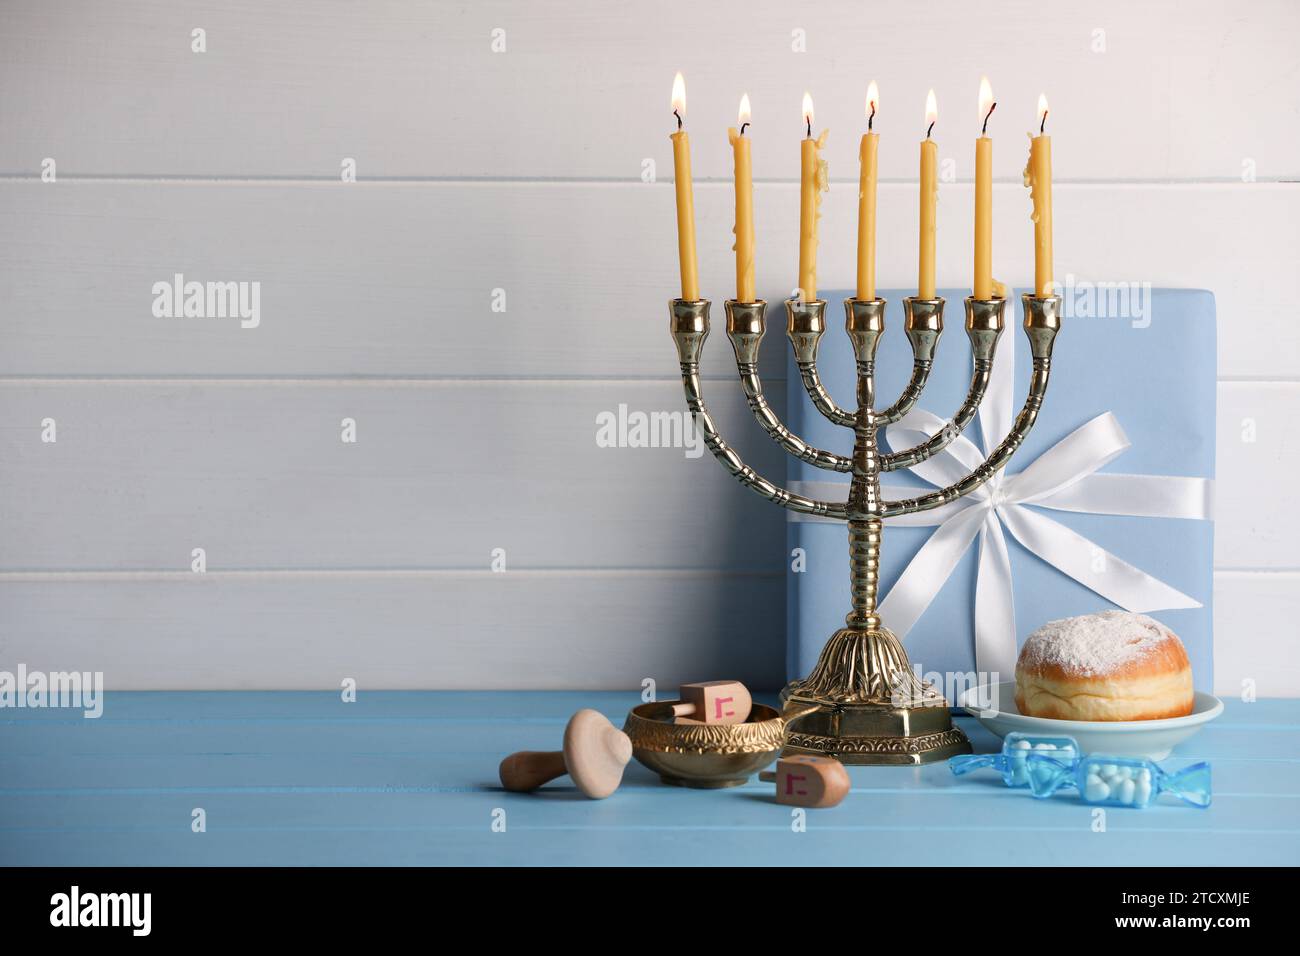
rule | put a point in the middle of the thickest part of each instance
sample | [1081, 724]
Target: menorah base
[869, 734]
[873, 709]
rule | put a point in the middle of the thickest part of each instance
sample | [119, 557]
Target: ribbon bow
[1063, 478]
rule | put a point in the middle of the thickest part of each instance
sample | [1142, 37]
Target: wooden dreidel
[714, 702]
[807, 781]
[595, 753]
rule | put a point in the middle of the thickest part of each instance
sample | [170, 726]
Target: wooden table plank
[488, 735]
[410, 777]
[666, 847]
[343, 771]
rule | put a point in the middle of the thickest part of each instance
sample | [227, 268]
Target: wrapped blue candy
[1011, 762]
[1117, 781]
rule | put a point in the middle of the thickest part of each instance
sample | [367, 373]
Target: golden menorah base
[870, 706]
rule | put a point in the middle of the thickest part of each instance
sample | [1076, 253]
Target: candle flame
[986, 98]
[808, 108]
[931, 110]
[679, 95]
[1042, 109]
[744, 110]
[873, 99]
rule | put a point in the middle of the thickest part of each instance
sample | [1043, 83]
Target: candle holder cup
[862, 703]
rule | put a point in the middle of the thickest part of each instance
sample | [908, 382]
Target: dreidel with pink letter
[807, 781]
[714, 702]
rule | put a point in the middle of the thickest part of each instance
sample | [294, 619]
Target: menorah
[871, 707]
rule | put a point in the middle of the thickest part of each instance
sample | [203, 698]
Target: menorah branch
[1042, 322]
[804, 327]
[689, 325]
[746, 326]
[821, 399]
[983, 328]
[923, 326]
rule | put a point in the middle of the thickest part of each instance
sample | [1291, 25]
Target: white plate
[1152, 739]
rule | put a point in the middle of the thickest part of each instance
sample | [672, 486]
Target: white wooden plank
[1258, 453]
[1165, 90]
[443, 472]
[445, 629]
[1255, 618]
[369, 280]
[398, 279]
[544, 631]
[440, 475]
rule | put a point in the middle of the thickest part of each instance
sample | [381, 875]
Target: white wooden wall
[1177, 155]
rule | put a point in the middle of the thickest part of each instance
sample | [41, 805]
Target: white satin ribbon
[1062, 478]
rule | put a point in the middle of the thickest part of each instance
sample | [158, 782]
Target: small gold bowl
[706, 756]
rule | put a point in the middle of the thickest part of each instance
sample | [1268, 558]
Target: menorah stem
[866, 323]
[873, 708]
[863, 663]
[864, 573]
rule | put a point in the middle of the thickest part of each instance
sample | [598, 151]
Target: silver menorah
[871, 707]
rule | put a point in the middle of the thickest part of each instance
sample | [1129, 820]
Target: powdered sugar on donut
[1094, 643]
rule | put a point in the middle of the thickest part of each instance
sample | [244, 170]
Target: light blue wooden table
[410, 778]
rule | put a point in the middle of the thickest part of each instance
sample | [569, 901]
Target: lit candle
[867, 200]
[744, 206]
[929, 200]
[1038, 177]
[812, 183]
[685, 200]
[984, 196]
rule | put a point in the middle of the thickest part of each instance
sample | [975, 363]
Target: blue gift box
[1153, 367]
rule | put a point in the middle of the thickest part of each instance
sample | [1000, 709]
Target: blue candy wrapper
[1117, 781]
[1012, 762]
